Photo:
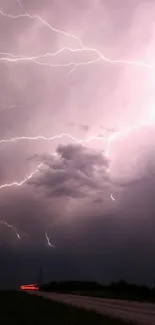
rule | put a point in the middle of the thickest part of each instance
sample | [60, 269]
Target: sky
[77, 119]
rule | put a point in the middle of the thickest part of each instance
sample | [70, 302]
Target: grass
[22, 308]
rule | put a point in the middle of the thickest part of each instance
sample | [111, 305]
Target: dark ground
[120, 290]
[22, 308]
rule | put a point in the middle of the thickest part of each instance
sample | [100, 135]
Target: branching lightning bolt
[41, 60]
[12, 58]
[10, 226]
[45, 60]
[48, 241]
[100, 57]
[109, 140]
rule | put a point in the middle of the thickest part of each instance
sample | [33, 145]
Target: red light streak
[29, 287]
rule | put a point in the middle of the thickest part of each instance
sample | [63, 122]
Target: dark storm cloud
[75, 171]
[95, 237]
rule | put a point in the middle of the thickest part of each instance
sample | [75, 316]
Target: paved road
[139, 313]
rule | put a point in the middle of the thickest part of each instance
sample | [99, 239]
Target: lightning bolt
[124, 132]
[59, 136]
[128, 130]
[48, 241]
[43, 60]
[41, 137]
[110, 141]
[12, 58]
[100, 57]
[24, 180]
[40, 60]
[10, 226]
[112, 197]
[22, 7]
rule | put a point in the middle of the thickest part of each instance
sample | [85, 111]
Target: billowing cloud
[75, 171]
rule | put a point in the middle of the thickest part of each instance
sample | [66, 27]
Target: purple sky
[83, 68]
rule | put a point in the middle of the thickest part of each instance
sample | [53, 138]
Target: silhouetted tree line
[71, 286]
[120, 290]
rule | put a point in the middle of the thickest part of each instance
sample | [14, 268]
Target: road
[139, 313]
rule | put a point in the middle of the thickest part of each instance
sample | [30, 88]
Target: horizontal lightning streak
[109, 140]
[100, 56]
[14, 59]
[59, 136]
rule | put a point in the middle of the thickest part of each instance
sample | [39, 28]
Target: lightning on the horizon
[10, 226]
[48, 241]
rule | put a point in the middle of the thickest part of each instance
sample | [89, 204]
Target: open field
[22, 308]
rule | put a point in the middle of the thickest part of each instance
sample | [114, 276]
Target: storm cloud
[75, 171]
[58, 93]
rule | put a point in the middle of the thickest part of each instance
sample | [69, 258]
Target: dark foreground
[139, 313]
[22, 308]
[116, 290]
